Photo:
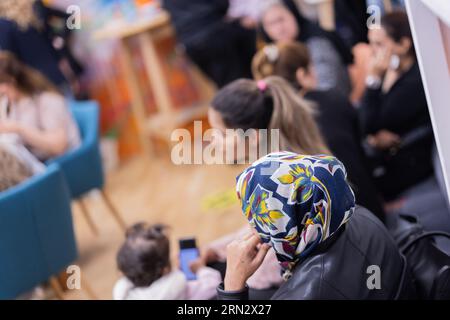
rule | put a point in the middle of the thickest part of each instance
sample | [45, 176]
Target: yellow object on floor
[219, 201]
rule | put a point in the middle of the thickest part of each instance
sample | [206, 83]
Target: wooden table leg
[137, 100]
[155, 73]
[87, 216]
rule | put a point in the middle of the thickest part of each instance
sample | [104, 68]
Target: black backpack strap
[441, 285]
[406, 246]
[401, 291]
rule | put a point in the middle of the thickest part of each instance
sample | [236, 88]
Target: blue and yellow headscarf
[295, 202]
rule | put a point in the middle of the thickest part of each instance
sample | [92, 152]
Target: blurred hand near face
[380, 62]
[249, 23]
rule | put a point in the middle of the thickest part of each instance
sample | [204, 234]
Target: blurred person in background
[336, 117]
[394, 112]
[38, 36]
[281, 21]
[38, 113]
[22, 34]
[222, 47]
[56, 30]
[351, 21]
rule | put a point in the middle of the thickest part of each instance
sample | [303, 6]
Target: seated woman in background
[281, 22]
[38, 114]
[305, 211]
[336, 117]
[394, 110]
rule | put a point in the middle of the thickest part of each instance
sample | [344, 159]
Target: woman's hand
[249, 23]
[207, 255]
[380, 63]
[197, 265]
[244, 257]
[384, 140]
[8, 126]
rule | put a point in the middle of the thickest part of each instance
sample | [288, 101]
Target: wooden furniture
[147, 32]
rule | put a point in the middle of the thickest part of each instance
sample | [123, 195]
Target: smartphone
[188, 253]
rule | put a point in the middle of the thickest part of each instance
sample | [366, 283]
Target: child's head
[270, 103]
[145, 255]
[291, 61]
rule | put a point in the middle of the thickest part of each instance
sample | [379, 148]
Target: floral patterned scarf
[295, 202]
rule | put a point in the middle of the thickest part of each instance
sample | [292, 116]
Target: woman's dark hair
[396, 25]
[26, 79]
[145, 255]
[309, 29]
[244, 104]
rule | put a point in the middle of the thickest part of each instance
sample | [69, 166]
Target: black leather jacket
[339, 269]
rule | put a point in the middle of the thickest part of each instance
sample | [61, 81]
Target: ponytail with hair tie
[242, 106]
[262, 86]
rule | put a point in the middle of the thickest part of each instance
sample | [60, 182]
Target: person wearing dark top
[351, 21]
[221, 48]
[336, 117]
[55, 27]
[394, 113]
[27, 41]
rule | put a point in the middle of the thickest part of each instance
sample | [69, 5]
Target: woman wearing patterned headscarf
[328, 248]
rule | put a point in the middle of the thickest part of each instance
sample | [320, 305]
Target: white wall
[431, 54]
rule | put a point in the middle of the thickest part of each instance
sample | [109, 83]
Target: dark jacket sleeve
[215, 6]
[370, 111]
[401, 110]
[222, 6]
[6, 36]
[231, 295]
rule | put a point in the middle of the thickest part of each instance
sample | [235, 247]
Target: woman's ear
[306, 78]
[301, 76]
[405, 44]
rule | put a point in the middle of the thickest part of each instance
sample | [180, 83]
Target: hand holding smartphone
[188, 254]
